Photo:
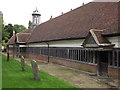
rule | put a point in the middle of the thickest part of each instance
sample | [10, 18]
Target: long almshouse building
[86, 38]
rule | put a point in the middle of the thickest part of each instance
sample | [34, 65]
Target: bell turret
[35, 18]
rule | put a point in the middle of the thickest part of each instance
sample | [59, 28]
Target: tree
[18, 28]
[9, 28]
[7, 31]
[1, 27]
[5, 35]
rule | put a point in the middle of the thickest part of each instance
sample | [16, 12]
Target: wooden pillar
[88, 55]
[117, 58]
[75, 55]
[35, 70]
[94, 57]
[13, 51]
[80, 54]
[109, 58]
[68, 54]
[23, 63]
[85, 56]
[8, 57]
[71, 54]
[48, 53]
[113, 59]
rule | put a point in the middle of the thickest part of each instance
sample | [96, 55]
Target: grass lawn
[13, 77]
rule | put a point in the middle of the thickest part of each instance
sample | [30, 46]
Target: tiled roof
[78, 22]
[95, 39]
[22, 37]
[11, 41]
[97, 35]
[27, 31]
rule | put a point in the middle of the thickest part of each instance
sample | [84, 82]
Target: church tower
[35, 18]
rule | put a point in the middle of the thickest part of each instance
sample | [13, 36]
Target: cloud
[106, 0]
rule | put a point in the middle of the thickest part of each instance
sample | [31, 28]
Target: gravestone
[8, 57]
[35, 70]
[23, 63]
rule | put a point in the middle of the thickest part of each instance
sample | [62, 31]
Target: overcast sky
[19, 11]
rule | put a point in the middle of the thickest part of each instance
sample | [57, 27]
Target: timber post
[22, 63]
[35, 70]
[8, 57]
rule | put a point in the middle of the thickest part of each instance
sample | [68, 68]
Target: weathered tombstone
[35, 70]
[8, 58]
[23, 63]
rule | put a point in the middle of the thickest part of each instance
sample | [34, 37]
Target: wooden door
[103, 63]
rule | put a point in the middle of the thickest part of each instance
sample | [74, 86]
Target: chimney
[14, 33]
[83, 4]
[51, 17]
[71, 9]
[62, 13]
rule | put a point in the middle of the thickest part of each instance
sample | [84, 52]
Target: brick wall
[68, 63]
[73, 64]
[113, 72]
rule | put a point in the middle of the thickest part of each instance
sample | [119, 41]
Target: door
[103, 63]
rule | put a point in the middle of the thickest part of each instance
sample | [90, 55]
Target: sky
[19, 11]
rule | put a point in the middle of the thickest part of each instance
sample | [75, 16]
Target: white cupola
[35, 18]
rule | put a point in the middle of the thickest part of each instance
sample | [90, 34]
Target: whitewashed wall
[74, 43]
[115, 40]
[67, 43]
[64, 43]
[38, 45]
[23, 45]
[10, 45]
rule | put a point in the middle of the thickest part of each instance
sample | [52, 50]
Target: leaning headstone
[23, 63]
[8, 57]
[35, 70]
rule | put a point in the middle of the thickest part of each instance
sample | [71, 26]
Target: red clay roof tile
[78, 22]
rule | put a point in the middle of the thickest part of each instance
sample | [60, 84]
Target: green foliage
[13, 77]
[1, 27]
[5, 36]
[7, 31]
[18, 28]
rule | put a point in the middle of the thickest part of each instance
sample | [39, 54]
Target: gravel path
[77, 78]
